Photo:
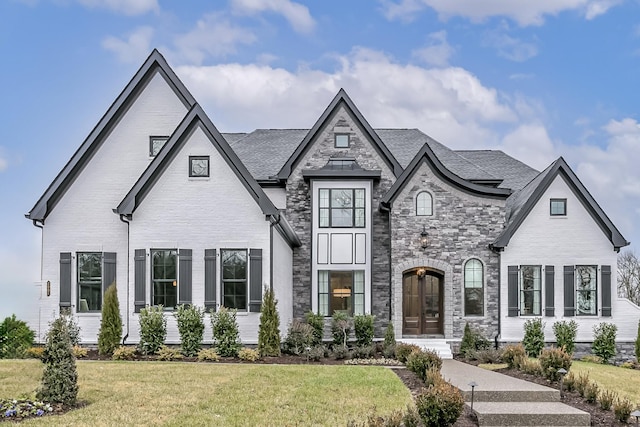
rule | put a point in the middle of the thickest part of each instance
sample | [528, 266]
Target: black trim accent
[551, 207]
[605, 272]
[210, 261]
[335, 140]
[185, 267]
[156, 137]
[108, 270]
[569, 291]
[191, 172]
[139, 279]
[549, 278]
[255, 280]
[512, 291]
[65, 279]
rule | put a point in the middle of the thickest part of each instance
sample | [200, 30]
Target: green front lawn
[189, 394]
[625, 382]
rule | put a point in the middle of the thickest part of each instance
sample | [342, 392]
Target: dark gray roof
[513, 172]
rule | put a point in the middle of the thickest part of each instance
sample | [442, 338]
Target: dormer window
[558, 207]
[342, 140]
[156, 143]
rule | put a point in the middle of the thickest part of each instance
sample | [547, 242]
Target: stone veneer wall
[299, 213]
[462, 227]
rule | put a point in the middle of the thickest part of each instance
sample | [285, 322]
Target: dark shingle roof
[514, 173]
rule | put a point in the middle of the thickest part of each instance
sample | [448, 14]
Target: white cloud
[296, 14]
[509, 47]
[530, 143]
[524, 12]
[127, 7]
[4, 164]
[134, 49]
[437, 51]
[213, 35]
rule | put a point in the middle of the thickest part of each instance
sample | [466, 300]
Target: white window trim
[415, 203]
[484, 289]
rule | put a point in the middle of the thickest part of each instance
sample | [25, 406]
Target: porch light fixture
[424, 238]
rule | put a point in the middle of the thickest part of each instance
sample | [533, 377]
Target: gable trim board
[155, 63]
[541, 183]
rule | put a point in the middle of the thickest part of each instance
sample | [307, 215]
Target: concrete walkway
[500, 400]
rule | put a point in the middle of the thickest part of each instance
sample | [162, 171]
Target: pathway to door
[422, 302]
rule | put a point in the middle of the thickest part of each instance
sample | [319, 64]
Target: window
[342, 140]
[530, 290]
[198, 166]
[234, 278]
[341, 291]
[164, 277]
[156, 143]
[558, 207]
[89, 281]
[424, 204]
[473, 288]
[342, 207]
[586, 290]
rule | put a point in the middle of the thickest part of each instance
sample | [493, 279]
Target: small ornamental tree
[533, 340]
[604, 341]
[15, 338]
[269, 330]
[190, 321]
[111, 323]
[60, 378]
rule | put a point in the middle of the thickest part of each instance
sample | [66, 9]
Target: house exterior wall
[462, 227]
[283, 280]
[217, 212]
[574, 239]
[83, 219]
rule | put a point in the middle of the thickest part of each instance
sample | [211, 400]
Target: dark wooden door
[422, 303]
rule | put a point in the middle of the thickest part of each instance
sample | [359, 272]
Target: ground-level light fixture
[562, 373]
[473, 385]
[424, 238]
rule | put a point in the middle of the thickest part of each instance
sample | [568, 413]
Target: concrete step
[440, 346]
[527, 414]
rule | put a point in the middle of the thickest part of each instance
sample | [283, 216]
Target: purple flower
[39, 412]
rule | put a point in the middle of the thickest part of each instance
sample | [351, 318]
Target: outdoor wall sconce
[424, 238]
[48, 288]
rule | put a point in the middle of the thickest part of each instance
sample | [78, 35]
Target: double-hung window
[164, 277]
[89, 270]
[530, 290]
[342, 207]
[586, 290]
[234, 278]
[341, 291]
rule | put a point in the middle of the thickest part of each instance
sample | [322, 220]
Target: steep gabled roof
[521, 203]
[426, 155]
[341, 99]
[514, 174]
[155, 63]
[194, 119]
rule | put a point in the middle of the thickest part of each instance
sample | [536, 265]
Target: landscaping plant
[514, 355]
[190, 321]
[439, 405]
[269, 329]
[169, 353]
[565, 333]
[124, 353]
[208, 355]
[420, 362]
[153, 329]
[60, 378]
[15, 338]
[226, 336]
[622, 409]
[340, 328]
[606, 399]
[472, 341]
[637, 346]
[604, 341]
[363, 326]
[389, 344]
[248, 354]
[404, 350]
[316, 321]
[299, 337]
[111, 323]
[73, 327]
[551, 360]
[533, 340]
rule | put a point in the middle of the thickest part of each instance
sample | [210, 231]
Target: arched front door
[422, 298]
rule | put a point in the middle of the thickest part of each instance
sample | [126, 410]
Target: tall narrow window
[473, 288]
[164, 277]
[89, 281]
[586, 290]
[530, 290]
[341, 207]
[341, 291]
[424, 204]
[234, 278]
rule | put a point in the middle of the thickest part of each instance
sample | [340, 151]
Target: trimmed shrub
[341, 352]
[79, 352]
[340, 328]
[269, 330]
[153, 329]
[248, 355]
[190, 321]
[553, 359]
[124, 353]
[591, 392]
[208, 355]
[316, 321]
[73, 327]
[60, 378]
[389, 344]
[565, 333]
[606, 399]
[514, 355]
[472, 341]
[604, 341]
[363, 351]
[622, 409]
[404, 350]
[226, 336]
[169, 353]
[15, 338]
[299, 338]
[420, 362]
[439, 405]
[533, 340]
[363, 328]
[111, 322]
[531, 367]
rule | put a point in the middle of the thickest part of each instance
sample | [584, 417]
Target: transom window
[342, 140]
[156, 143]
[89, 281]
[164, 277]
[530, 290]
[341, 291]
[586, 290]
[473, 288]
[424, 204]
[342, 207]
[234, 278]
[558, 207]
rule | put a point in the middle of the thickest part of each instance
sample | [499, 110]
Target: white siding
[575, 239]
[83, 219]
[283, 280]
[278, 196]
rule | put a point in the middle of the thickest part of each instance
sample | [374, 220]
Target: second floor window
[342, 207]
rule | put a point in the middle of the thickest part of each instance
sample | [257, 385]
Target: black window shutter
[606, 290]
[108, 270]
[140, 279]
[255, 279]
[549, 278]
[184, 279]
[512, 291]
[569, 293]
[65, 279]
[210, 279]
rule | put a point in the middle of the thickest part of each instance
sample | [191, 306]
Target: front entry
[422, 295]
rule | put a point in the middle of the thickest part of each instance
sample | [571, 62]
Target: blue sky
[538, 80]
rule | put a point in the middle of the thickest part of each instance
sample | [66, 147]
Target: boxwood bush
[226, 335]
[15, 338]
[190, 321]
[153, 329]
